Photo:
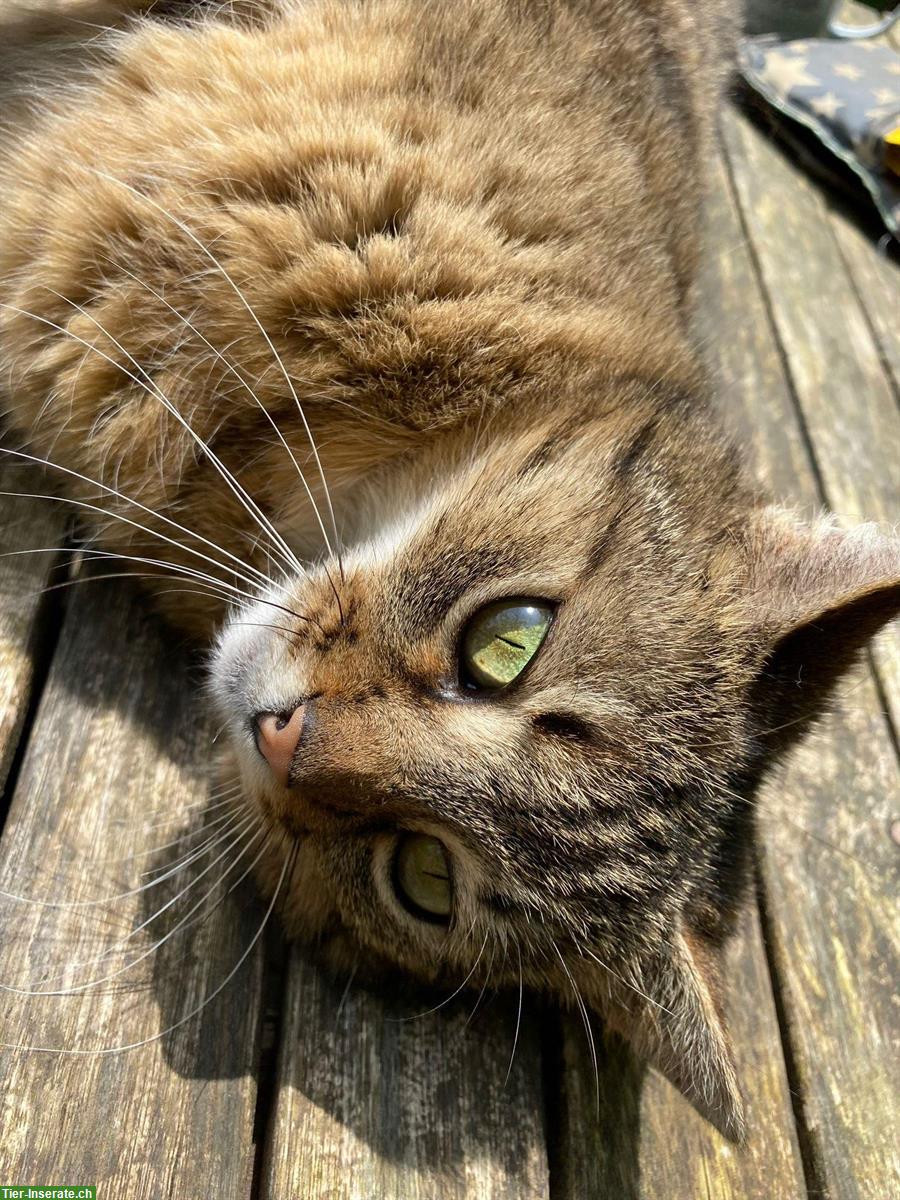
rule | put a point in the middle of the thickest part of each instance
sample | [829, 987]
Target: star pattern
[783, 73]
[875, 114]
[827, 106]
[848, 71]
[845, 91]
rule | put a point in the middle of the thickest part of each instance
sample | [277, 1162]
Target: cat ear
[677, 1025]
[814, 595]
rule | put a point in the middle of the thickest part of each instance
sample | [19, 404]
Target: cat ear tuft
[814, 595]
[677, 1025]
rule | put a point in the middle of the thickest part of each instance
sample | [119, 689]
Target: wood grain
[828, 866]
[846, 399]
[373, 1103]
[875, 272]
[24, 632]
[647, 1143]
[116, 739]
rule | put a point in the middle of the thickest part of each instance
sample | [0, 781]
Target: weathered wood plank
[116, 736]
[372, 1103]
[24, 525]
[827, 863]
[847, 401]
[876, 277]
[648, 1144]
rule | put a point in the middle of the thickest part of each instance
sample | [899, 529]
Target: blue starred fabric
[846, 92]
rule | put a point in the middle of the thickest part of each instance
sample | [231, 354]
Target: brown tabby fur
[468, 230]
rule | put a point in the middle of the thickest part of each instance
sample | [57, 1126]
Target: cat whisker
[585, 1020]
[158, 395]
[82, 1052]
[214, 837]
[290, 634]
[518, 1018]
[111, 554]
[96, 903]
[261, 579]
[229, 366]
[204, 249]
[183, 923]
[152, 388]
[216, 905]
[230, 801]
[186, 574]
[111, 951]
[199, 589]
[233, 793]
[55, 587]
[218, 821]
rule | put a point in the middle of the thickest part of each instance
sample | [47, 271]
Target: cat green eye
[422, 878]
[502, 639]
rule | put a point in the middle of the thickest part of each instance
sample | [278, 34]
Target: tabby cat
[369, 319]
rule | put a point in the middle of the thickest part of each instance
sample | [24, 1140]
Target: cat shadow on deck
[396, 1078]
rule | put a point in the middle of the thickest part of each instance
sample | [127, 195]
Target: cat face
[541, 776]
[514, 733]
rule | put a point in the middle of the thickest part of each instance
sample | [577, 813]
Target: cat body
[434, 212]
[387, 303]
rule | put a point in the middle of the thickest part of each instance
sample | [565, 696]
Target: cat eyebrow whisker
[759, 810]
[141, 196]
[290, 862]
[585, 1020]
[585, 950]
[484, 987]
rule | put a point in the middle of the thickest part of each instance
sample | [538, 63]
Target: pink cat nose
[277, 736]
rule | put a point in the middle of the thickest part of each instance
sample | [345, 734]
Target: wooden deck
[289, 1087]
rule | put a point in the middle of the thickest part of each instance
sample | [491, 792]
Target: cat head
[514, 733]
